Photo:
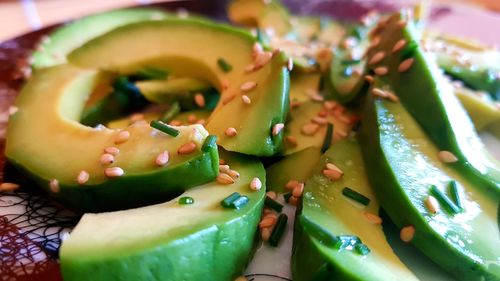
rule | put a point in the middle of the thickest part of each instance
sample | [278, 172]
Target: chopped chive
[362, 249]
[287, 196]
[327, 141]
[444, 200]
[186, 200]
[209, 142]
[149, 73]
[123, 84]
[278, 230]
[228, 201]
[455, 196]
[408, 51]
[160, 126]
[318, 232]
[356, 196]
[356, 32]
[172, 111]
[224, 65]
[239, 202]
[273, 204]
[347, 72]
[350, 62]
[346, 242]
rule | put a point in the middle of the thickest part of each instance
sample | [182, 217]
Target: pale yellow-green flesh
[481, 111]
[324, 203]
[245, 12]
[156, 115]
[161, 91]
[49, 109]
[301, 83]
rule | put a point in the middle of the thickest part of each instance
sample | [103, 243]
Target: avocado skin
[394, 200]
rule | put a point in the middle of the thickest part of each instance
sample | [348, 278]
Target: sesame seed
[201, 122]
[107, 159]
[113, 172]
[277, 128]
[341, 134]
[331, 166]
[381, 70]
[54, 185]
[9, 186]
[295, 104]
[234, 174]
[224, 84]
[186, 148]
[82, 177]
[267, 221]
[175, 123]
[257, 48]
[112, 150]
[272, 195]
[192, 119]
[319, 120]
[432, 204]
[162, 159]
[298, 190]
[378, 57]
[122, 137]
[293, 200]
[265, 233]
[222, 161]
[401, 23]
[329, 105]
[136, 117]
[344, 119]
[224, 178]
[246, 99]
[255, 184]
[405, 65]
[248, 86]
[369, 78]
[262, 58]
[373, 218]
[309, 129]
[314, 95]
[375, 42]
[447, 157]
[224, 168]
[379, 92]
[199, 99]
[322, 113]
[392, 97]
[12, 110]
[332, 174]
[291, 141]
[291, 184]
[407, 233]
[289, 64]
[399, 46]
[231, 132]
[228, 99]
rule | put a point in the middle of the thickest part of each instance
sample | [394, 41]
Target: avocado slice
[53, 50]
[326, 212]
[404, 165]
[429, 98]
[46, 141]
[173, 44]
[481, 109]
[165, 241]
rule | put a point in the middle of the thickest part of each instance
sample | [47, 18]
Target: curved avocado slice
[429, 98]
[53, 50]
[174, 44]
[45, 139]
[165, 241]
[326, 212]
[404, 165]
[481, 109]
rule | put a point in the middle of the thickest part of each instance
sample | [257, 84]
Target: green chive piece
[160, 126]
[224, 65]
[318, 232]
[186, 200]
[228, 201]
[172, 111]
[356, 32]
[362, 249]
[150, 73]
[287, 196]
[273, 204]
[444, 200]
[356, 196]
[350, 62]
[455, 196]
[408, 51]
[278, 230]
[209, 142]
[327, 141]
[346, 242]
[239, 202]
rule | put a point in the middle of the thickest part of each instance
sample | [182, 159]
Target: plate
[32, 226]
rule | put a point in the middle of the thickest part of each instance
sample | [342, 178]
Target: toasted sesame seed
[309, 129]
[113, 172]
[248, 86]
[378, 57]
[329, 105]
[401, 23]
[192, 119]
[54, 185]
[250, 68]
[405, 65]
[265, 233]
[277, 128]
[175, 123]
[162, 159]
[322, 113]
[407, 233]
[224, 178]
[392, 97]
[373, 218]
[379, 92]
[289, 64]
[222, 161]
[399, 46]
[122, 137]
[82, 177]
[224, 168]
[246, 99]
[9, 186]
[262, 58]
[332, 174]
[224, 83]
[201, 121]
[432, 204]
[295, 104]
[344, 119]
[255, 184]
[298, 190]
[291, 184]
[272, 195]
[199, 99]
[291, 141]
[112, 150]
[319, 120]
[293, 200]
[136, 117]
[228, 99]
[375, 42]
[12, 110]
[234, 174]
[187, 148]
[107, 159]
[381, 70]
[447, 157]
[257, 48]
[231, 132]
[369, 78]
[314, 95]
[267, 221]
[331, 166]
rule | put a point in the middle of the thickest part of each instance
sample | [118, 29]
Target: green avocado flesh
[324, 206]
[49, 107]
[481, 109]
[173, 44]
[53, 50]
[403, 165]
[170, 241]
[429, 98]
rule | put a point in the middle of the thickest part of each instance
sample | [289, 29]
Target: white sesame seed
[82, 177]
[112, 150]
[224, 168]
[331, 166]
[272, 195]
[372, 218]
[319, 120]
[447, 157]
[391, 96]
[246, 99]
[122, 137]
[407, 233]
[381, 70]
[113, 172]
[9, 186]
[277, 128]
[399, 46]
[309, 129]
[224, 178]
[199, 99]
[255, 184]
[332, 174]
[234, 174]
[248, 86]
[298, 190]
[405, 65]
[162, 159]
[432, 204]
[54, 185]
[289, 64]
[379, 93]
[107, 159]
[231, 132]
[291, 141]
[186, 148]
[378, 57]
